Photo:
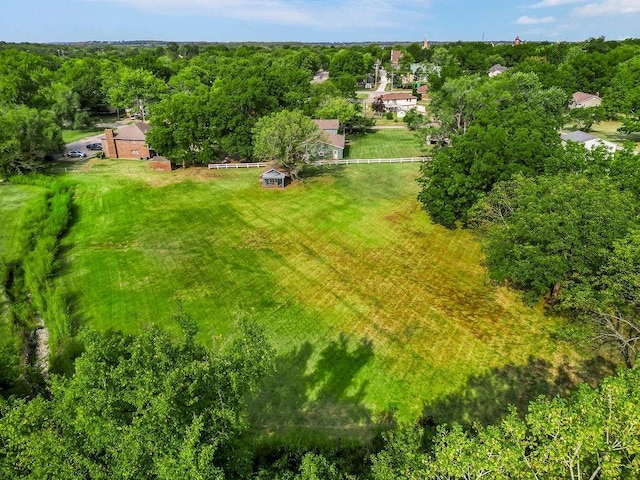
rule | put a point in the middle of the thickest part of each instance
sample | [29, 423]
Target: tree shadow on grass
[303, 397]
[486, 398]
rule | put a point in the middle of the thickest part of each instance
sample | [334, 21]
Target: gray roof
[136, 131]
[334, 139]
[328, 124]
[273, 173]
[498, 68]
[577, 136]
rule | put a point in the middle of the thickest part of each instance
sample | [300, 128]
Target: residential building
[127, 142]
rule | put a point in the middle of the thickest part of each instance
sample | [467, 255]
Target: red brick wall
[132, 149]
[161, 166]
[114, 148]
[108, 144]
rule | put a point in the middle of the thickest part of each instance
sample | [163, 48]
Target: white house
[399, 101]
[589, 141]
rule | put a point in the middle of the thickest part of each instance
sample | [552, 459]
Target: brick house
[127, 142]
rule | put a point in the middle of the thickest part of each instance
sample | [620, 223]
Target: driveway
[83, 142]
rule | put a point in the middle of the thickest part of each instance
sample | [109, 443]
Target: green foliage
[287, 139]
[594, 434]
[141, 406]
[413, 119]
[181, 128]
[26, 136]
[338, 107]
[352, 63]
[586, 117]
[46, 223]
[134, 88]
[553, 234]
[498, 127]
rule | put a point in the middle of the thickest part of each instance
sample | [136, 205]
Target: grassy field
[14, 202]
[375, 312]
[390, 143]
[69, 136]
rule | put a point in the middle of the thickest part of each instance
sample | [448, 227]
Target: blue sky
[317, 20]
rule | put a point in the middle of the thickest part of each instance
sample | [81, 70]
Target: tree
[286, 138]
[586, 117]
[238, 102]
[497, 127]
[553, 235]
[26, 137]
[134, 89]
[337, 107]
[611, 300]
[593, 434]
[413, 119]
[378, 106]
[143, 406]
[182, 128]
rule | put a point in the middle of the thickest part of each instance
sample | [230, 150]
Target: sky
[45, 21]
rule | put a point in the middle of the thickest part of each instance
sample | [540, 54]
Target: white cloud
[303, 13]
[609, 7]
[554, 3]
[526, 20]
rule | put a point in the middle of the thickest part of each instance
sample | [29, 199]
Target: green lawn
[72, 135]
[391, 143]
[372, 309]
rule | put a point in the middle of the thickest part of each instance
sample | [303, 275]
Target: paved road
[383, 83]
[83, 142]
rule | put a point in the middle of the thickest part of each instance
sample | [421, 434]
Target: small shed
[274, 178]
[160, 164]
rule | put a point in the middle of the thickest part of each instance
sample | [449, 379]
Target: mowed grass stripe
[368, 304]
[385, 143]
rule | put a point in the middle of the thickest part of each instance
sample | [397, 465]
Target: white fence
[350, 161]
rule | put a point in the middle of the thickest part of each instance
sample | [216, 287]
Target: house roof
[273, 173]
[136, 131]
[329, 124]
[577, 136]
[422, 89]
[498, 68]
[397, 96]
[580, 97]
[334, 139]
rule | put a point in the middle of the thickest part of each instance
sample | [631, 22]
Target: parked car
[94, 146]
[76, 154]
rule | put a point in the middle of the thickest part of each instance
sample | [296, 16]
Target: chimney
[110, 150]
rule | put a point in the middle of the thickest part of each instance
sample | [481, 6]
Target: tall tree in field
[287, 139]
[141, 406]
